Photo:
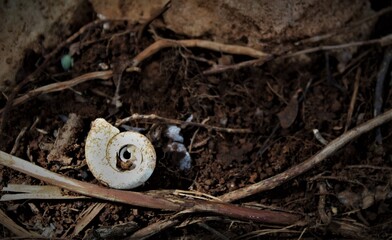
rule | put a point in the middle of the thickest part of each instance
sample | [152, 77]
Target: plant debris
[232, 126]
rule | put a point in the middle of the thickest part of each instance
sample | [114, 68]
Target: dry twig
[344, 29]
[55, 87]
[223, 68]
[353, 99]
[17, 140]
[386, 40]
[156, 118]
[151, 19]
[85, 218]
[146, 200]
[219, 47]
[153, 229]
[379, 90]
[331, 148]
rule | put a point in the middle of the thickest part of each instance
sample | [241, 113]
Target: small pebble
[66, 62]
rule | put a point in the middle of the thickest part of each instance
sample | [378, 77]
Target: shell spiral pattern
[122, 160]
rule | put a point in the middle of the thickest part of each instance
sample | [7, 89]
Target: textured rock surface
[262, 24]
[135, 11]
[265, 24]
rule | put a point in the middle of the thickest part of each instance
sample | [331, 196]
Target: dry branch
[219, 47]
[327, 151]
[145, 200]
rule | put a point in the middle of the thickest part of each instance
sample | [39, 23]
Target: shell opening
[126, 157]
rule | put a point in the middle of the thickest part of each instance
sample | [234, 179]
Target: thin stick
[151, 19]
[353, 99]
[324, 216]
[219, 47]
[331, 148]
[85, 218]
[55, 87]
[145, 200]
[74, 36]
[383, 41]
[17, 140]
[379, 89]
[383, 168]
[153, 229]
[156, 118]
[223, 68]
[345, 28]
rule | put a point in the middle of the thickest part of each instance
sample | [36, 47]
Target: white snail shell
[119, 160]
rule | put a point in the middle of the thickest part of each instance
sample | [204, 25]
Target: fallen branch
[55, 87]
[219, 47]
[146, 200]
[156, 118]
[327, 151]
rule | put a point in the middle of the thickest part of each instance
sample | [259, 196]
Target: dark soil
[171, 85]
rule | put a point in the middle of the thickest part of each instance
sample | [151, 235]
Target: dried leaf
[349, 199]
[290, 112]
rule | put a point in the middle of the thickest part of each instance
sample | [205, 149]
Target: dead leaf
[290, 112]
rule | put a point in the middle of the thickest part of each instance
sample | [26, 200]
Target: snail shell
[119, 160]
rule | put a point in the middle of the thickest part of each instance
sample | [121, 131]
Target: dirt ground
[281, 101]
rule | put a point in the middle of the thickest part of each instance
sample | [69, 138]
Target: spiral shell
[119, 160]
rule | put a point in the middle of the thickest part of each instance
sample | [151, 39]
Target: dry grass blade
[15, 228]
[331, 148]
[134, 198]
[86, 217]
[34, 192]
